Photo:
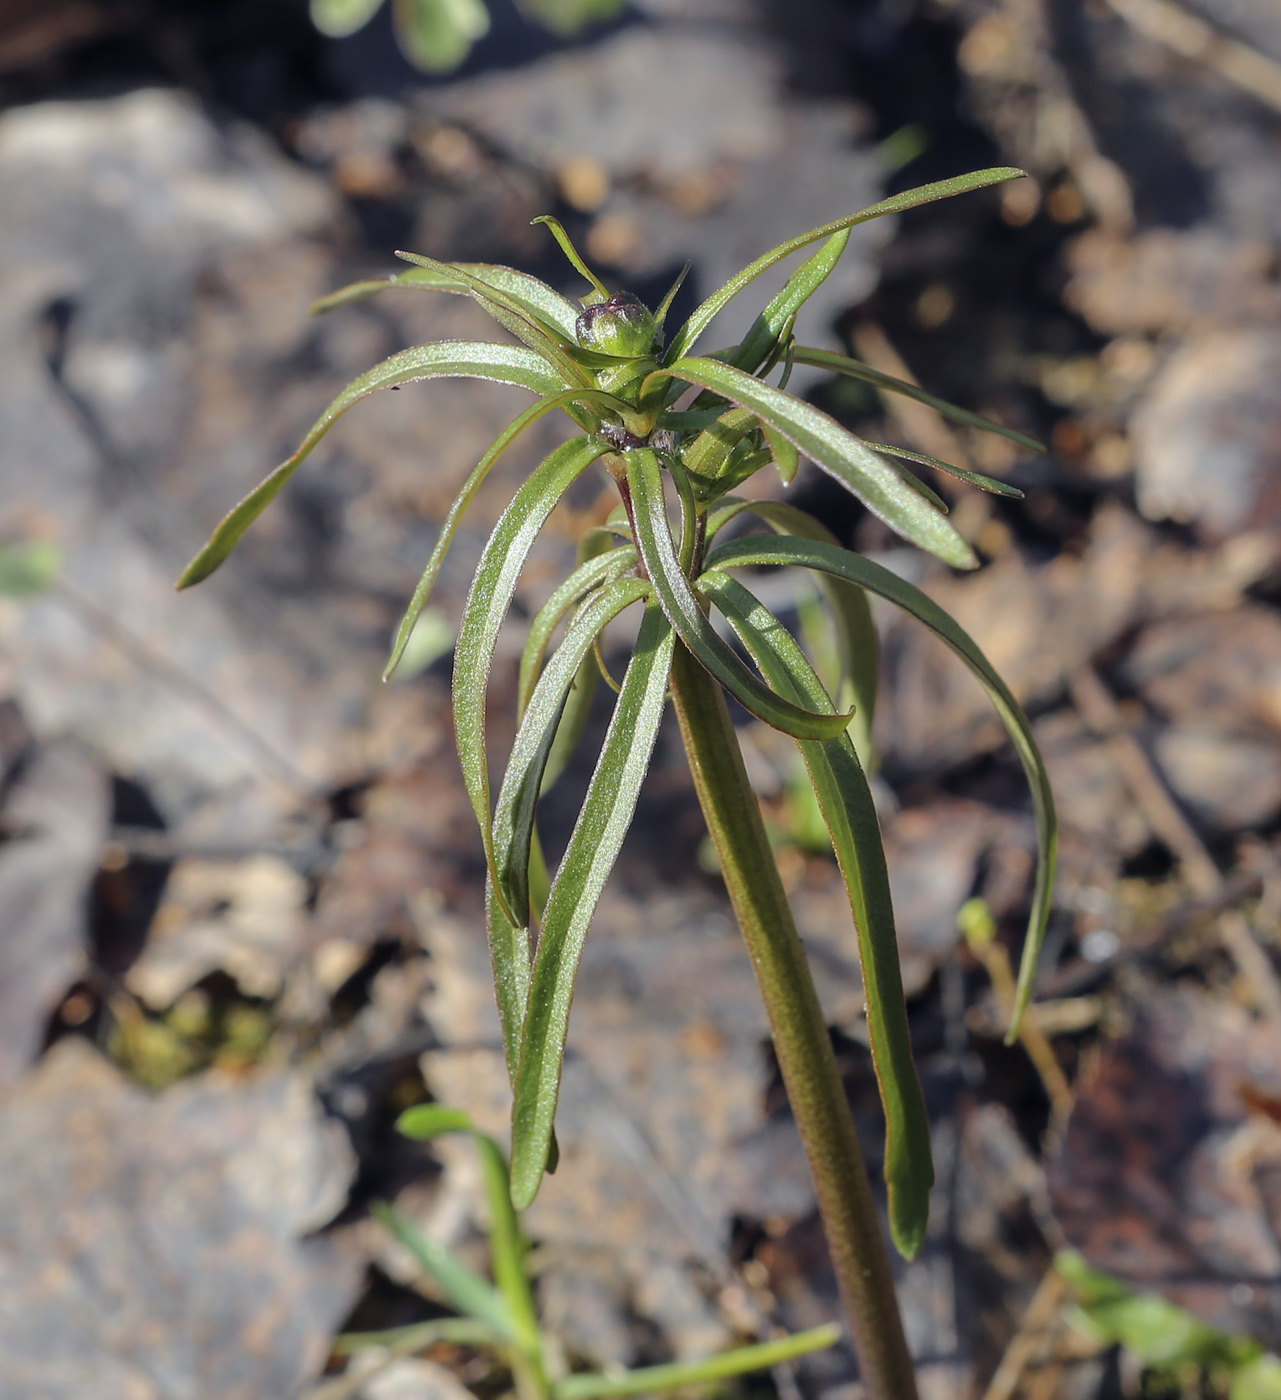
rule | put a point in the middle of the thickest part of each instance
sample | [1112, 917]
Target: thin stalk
[799, 1031]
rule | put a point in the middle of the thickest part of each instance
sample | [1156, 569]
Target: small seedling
[671, 425]
[501, 1317]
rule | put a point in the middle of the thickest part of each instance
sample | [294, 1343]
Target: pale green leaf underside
[826, 558]
[839, 453]
[684, 613]
[458, 359]
[850, 817]
[491, 593]
[593, 847]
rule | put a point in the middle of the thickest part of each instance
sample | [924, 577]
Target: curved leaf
[595, 570]
[541, 302]
[856, 369]
[842, 563]
[842, 455]
[850, 816]
[858, 646]
[475, 480]
[677, 599]
[510, 313]
[909, 199]
[761, 340]
[491, 593]
[523, 781]
[984, 483]
[593, 847]
[506, 364]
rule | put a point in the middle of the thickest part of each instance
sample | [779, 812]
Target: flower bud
[622, 326]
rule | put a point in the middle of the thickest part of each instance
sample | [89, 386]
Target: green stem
[799, 1031]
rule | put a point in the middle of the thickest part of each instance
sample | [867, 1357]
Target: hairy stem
[799, 1031]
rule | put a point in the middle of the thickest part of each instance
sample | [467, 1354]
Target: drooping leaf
[511, 314]
[839, 453]
[543, 303]
[677, 599]
[459, 359]
[523, 781]
[850, 815]
[909, 199]
[437, 35]
[842, 563]
[856, 369]
[677, 1375]
[491, 593]
[475, 480]
[338, 18]
[857, 642]
[984, 483]
[593, 847]
[464, 1288]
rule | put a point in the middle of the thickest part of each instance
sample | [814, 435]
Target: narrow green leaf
[475, 480]
[542, 303]
[593, 847]
[510, 313]
[464, 1288]
[686, 615]
[511, 958]
[850, 815]
[428, 1120]
[595, 570]
[572, 253]
[909, 199]
[418, 1336]
[708, 455]
[984, 483]
[830, 559]
[786, 458]
[491, 593]
[839, 453]
[678, 1374]
[770, 325]
[508, 1248]
[523, 781]
[858, 645]
[856, 369]
[927, 493]
[664, 306]
[506, 364]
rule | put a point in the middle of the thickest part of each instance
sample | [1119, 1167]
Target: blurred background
[240, 885]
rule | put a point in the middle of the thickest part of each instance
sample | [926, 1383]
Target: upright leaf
[842, 455]
[491, 593]
[506, 364]
[593, 847]
[909, 199]
[684, 612]
[769, 326]
[842, 563]
[476, 479]
[850, 816]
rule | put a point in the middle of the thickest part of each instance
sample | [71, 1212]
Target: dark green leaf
[761, 340]
[856, 369]
[909, 199]
[842, 455]
[475, 480]
[984, 483]
[507, 364]
[686, 615]
[523, 782]
[831, 559]
[857, 643]
[491, 593]
[850, 815]
[593, 847]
